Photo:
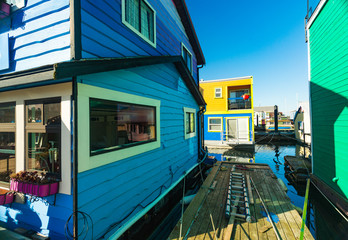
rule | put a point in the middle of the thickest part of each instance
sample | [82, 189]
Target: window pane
[147, 21]
[187, 124]
[7, 113]
[34, 113]
[132, 13]
[116, 125]
[52, 113]
[215, 127]
[7, 155]
[44, 152]
[215, 121]
[192, 122]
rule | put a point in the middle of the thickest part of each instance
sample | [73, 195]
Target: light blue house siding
[115, 192]
[216, 136]
[104, 34]
[38, 34]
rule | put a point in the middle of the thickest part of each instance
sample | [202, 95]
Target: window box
[6, 197]
[34, 183]
[39, 190]
[5, 10]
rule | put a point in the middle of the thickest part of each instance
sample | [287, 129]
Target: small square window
[215, 124]
[140, 17]
[218, 92]
[187, 56]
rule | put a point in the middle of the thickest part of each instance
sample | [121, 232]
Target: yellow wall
[220, 105]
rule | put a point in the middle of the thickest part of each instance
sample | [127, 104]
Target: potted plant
[5, 9]
[6, 196]
[35, 183]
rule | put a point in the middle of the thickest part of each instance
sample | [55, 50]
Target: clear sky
[264, 39]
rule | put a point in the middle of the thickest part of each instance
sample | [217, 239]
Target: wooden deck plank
[194, 207]
[216, 209]
[252, 224]
[292, 215]
[270, 182]
[198, 231]
[213, 203]
[256, 177]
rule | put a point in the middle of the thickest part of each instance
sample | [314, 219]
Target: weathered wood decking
[298, 164]
[210, 202]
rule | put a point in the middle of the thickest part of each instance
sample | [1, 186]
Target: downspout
[75, 160]
[200, 118]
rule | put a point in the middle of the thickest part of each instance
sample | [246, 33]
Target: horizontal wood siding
[38, 215]
[39, 34]
[104, 34]
[115, 192]
[329, 94]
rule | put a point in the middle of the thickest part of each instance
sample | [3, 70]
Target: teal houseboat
[102, 96]
[327, 36]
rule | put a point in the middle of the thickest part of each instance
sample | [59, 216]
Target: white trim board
[315, 14]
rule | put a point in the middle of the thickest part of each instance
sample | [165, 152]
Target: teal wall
[328, 46]
[39, 34]
[115, 192]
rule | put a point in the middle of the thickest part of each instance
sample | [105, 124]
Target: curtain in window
[132, 13]
[147, 21]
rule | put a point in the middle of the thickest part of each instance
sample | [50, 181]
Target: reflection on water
[320, 212]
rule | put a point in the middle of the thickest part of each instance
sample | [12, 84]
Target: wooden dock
[207, 210]
[298, 168]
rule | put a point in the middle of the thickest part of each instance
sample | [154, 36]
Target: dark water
[323, 220]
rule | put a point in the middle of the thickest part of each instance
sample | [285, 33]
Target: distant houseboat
[229, 115]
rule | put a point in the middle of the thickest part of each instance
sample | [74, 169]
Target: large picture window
[116, 125]
[7, 141]
[140, 17]
[43, 135]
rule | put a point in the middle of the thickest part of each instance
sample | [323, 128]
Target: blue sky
[265, 39]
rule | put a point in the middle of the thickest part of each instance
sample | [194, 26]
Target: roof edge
[226, 79]
[190, 30]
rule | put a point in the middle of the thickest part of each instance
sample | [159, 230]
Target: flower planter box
[40, 190]
[4, 10]
[6, 197]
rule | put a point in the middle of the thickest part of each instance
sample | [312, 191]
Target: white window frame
[216, 92]
[63, 91]
[136, 31]
[87, 162]
[190, 110]
[209, 124]
[189, 52]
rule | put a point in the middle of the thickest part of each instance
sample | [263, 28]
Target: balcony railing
[232, 105]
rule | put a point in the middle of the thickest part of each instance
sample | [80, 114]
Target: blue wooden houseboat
[104, 96]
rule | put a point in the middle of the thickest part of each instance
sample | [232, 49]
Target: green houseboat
[327, 36]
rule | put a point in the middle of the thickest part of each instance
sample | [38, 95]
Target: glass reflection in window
[7, 155]
[7, 113]
[115, 125]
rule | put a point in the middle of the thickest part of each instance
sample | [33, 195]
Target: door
[232, 129]
[243, 128]
[238, 129]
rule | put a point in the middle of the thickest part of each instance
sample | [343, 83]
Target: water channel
[323, 220]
